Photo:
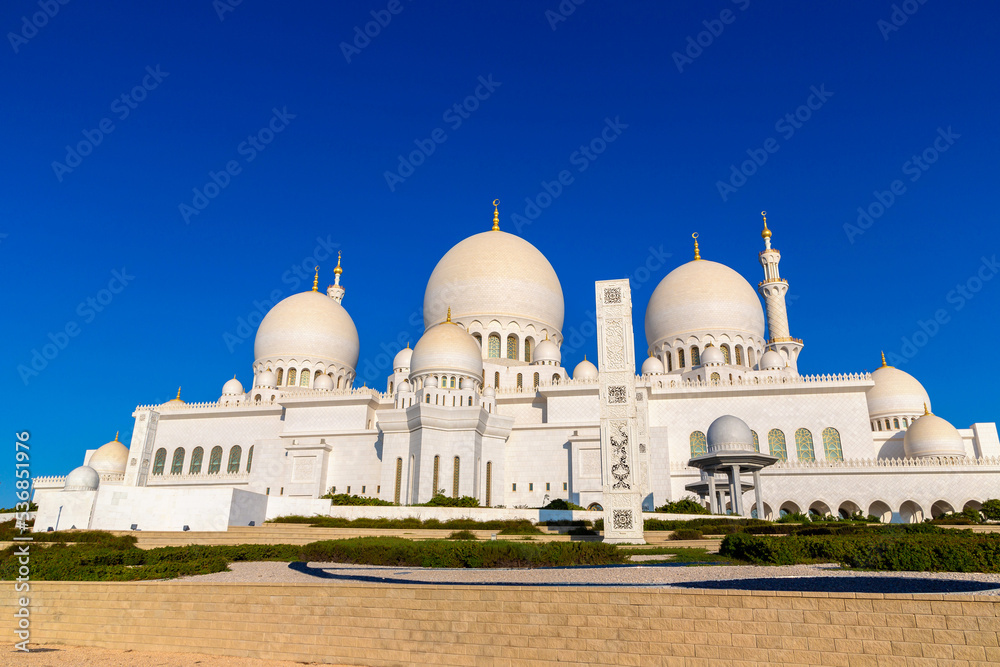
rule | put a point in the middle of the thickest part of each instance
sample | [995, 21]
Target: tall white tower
[773, 289]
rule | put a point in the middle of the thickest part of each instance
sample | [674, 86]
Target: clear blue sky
[685, 115]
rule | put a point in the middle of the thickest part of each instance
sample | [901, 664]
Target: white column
[713, 505]
[757, 494]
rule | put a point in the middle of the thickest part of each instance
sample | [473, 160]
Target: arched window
[699, 445]
[555, 378]
[695, 356]
[776, 443]
[215, 460]
[453, 385]
[280, 371]
[527, 357]
[512, 347]
[249, 458]
[196, 457]
[670, 362]
[680, 358]
[390, 386]
[535, 381]
[479, 339]
[235, 454]
[756, 442]
[494, 345]
[739, 355]
[887, 427]
[454, 481]
[520, 381]
[489, 483]
[159, 461]
[428, 398]
[804, 449]
[715, 378]
[725, 354]
[291, 377]
[304, 377]
[879, 425]
[895, 423]
[831, 444]
[434, 477]
[905, 423]
[496, 380]
[177, 465]
[399, 479]
[750, 357]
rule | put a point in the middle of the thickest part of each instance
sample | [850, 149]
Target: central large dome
[495, 275]
[308, 326]
[703, 297]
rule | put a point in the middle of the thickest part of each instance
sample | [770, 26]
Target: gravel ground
[42, 655]
[828, 577]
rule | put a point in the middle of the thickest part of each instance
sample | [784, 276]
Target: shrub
[345, 499]
[441, 500]
[560, 504]
[794, 517]
[683, 506]
[463, 535]
[991, 510]
[32, 507]
[686, 534]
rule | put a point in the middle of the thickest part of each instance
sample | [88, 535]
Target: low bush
[794, 517]
[560, 504]
[441, 500]
[32, 507]
[345, 499]
[8, 531]
[683, 506]
[410, 523]
[463, 535]
[991, 510]
[398, 552]
[686, 534]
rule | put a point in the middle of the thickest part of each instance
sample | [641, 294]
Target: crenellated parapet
[875, 463]
[244, 404]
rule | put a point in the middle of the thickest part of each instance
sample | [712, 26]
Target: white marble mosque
[482, 406]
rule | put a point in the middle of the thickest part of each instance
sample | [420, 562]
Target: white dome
[446, 348]
[771, 360]
[895, 393]
[546, 351]
[232, 388]
[431, 382]
[729, 433]
[323, 382]
[932, 436]
[402, 359]
[651, 366]
[585, 370]
[712, 356]
[467, 383]
[308, 325]
[110, 458]
[494, 275]
[83, 478]
[489, 392]
[267, 379]
[404, 387]
[703, 297]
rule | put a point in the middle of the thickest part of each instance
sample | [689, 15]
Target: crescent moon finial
[496, 215]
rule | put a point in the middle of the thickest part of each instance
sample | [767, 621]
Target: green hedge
[345, 499]
[399, 552]
[410, 523]
[441, 500]
[560, 504]
[683, 506]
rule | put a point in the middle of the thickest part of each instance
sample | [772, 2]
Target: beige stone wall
[465, 625]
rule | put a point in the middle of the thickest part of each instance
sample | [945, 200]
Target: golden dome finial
[337, 270]
[316, 280]
[766, 234]
[178, 394]
[884, 365]
[116, 435]
[496, 216]
[697, 255]
[926, 410]
[448, 318]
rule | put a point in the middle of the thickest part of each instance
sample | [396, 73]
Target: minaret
[773, 289]
[335, 291]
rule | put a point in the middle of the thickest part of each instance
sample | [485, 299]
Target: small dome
[729, 434]
[83, 478]
[233, 388]
[404, 387]
[895, 393]
[308, 325]
[110, 458]
[932, 436]
[267, 379]
[323, 382]
[447, 348]
[771, 360]
[651, 366]
[402, 360]
[489, 392]
[585, 370]
[712, 356]
[431, 382]
[174, 402]
[547, 351]
[467, 383]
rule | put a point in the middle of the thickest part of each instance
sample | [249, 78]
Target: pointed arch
[235, 455]
[159, 461]
[804, 448]
[725, 353]
[177, 465]
[291, 377]
[699, 445]
[756, 442]
[215, 460]
[196, 456]
[680, 358]
[695, 356]
[493, 342]
[832, 448]
[249, 457]
[776, 443]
